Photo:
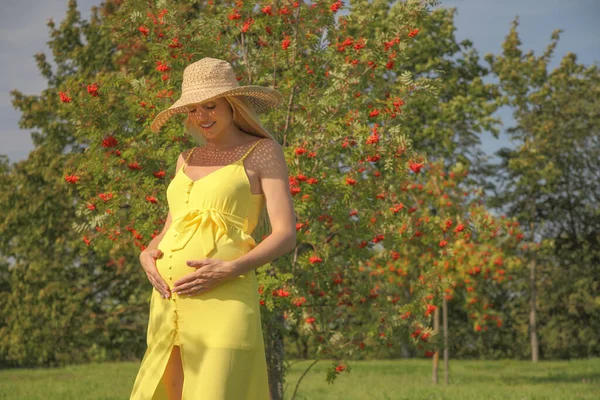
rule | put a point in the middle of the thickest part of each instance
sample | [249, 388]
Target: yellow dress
[219, 331]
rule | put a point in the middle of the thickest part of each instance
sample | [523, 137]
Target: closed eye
[194, 110]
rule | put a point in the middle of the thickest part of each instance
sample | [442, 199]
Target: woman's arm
[274, 177]
[156, 240]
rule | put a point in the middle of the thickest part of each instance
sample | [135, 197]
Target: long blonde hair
[247, 120]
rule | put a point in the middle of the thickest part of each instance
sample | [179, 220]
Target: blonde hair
[247, 120]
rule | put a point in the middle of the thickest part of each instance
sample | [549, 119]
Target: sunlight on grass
[385, 380]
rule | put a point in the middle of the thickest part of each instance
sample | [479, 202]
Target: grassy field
[385, 380]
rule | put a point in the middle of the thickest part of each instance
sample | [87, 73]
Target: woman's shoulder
[267, 143]
[262, 147]
[266, 156]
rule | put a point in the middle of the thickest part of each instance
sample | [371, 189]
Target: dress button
[174, 234]
[170, 255]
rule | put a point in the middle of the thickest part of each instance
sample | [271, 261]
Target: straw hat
[209, 78]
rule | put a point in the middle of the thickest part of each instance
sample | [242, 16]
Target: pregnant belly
[172, 266]
[227, 315]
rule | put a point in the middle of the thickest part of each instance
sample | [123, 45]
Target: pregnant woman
[204, 337]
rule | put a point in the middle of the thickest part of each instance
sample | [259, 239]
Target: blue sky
[23, 32]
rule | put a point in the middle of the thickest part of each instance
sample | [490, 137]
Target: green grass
[385, 380]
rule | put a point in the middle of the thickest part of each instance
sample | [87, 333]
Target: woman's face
[212, 116]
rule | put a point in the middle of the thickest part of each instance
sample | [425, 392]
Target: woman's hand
[210, 272]
[148, 261]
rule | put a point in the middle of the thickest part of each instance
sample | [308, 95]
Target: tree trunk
[274, 350]
[304, 348]
[532, 313]
[436, 355]
[446, 353]
[533, 290]
[405, 351]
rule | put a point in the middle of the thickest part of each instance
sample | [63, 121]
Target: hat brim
[262, 99]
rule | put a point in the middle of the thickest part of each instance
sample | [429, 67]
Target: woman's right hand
[148, 261]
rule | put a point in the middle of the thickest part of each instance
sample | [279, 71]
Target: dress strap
[250, 149]
[187, 158]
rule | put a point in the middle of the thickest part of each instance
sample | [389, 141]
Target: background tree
[59, 305]
[473, 251]
[550, 183]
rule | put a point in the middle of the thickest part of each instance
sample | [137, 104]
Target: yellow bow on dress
[211, 223]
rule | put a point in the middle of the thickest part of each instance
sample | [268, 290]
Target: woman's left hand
[210, 272]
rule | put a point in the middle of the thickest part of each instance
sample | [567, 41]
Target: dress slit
[160, 390]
